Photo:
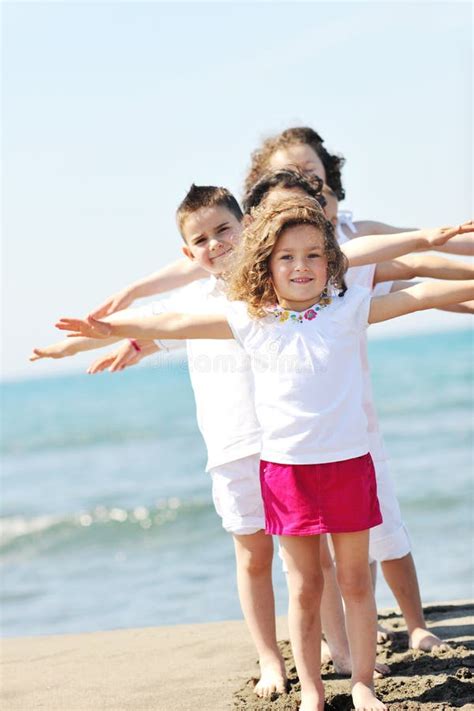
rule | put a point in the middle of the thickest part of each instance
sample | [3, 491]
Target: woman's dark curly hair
[284, 178]
[250, 279]
[303, 135]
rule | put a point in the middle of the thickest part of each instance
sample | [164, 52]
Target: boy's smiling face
[210, 234]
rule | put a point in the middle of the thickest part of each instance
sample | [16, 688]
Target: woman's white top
[308, 380]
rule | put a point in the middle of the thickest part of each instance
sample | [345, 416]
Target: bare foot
[272, 678]
[312, 700]
[342, 663]
[364, 698]
[383, 634]
[421, 638]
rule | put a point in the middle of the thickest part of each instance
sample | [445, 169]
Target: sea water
[107, 519]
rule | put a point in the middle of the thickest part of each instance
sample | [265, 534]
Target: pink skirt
[309, 499]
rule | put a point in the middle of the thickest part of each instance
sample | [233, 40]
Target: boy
[209, 220]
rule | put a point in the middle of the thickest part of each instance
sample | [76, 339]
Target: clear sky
[112, 109]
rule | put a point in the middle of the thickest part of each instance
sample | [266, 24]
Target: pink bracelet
[133, 342]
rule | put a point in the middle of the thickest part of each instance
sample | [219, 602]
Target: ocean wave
[31, 442]
[101, 524]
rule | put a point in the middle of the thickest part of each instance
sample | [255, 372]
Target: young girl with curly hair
[301, 328]
[390, 544]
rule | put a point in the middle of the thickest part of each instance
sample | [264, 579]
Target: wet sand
[211, 667]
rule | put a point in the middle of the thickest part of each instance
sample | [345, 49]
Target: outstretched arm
[370, 249]
[422, 264]
[426, 295]
[162, 326]
[466, 307]
[372, 227]
[179, 273]
[462, 245]
[70, 346]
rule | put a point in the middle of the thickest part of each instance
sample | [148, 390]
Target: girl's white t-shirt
[308, 380]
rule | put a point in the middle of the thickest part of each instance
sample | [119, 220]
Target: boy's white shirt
[308, 380]
[364, 276]
[221, 377]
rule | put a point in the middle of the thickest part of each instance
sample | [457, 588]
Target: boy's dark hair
[302, 135]
[284, 178]
[206, 196]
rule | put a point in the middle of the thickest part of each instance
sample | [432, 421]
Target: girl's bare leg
[305, 583]
[332, 614]
[355, 583]
[254, 555]
[336, 647]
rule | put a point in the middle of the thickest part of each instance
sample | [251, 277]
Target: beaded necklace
[299, 316]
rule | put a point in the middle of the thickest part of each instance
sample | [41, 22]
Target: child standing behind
[301, 330]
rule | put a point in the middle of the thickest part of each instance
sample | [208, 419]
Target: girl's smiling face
[299, 267]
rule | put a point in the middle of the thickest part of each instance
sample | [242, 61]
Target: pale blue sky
[112, 109]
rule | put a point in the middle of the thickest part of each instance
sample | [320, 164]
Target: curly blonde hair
[300, 135]
[249, 278]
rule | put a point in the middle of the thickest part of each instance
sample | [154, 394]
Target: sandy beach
[212, 667]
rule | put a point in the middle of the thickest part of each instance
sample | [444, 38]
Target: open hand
[121, 358]
[89, 327]
[116, 302]
[440, 235]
